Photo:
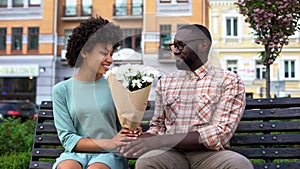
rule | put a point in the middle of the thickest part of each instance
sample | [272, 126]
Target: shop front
[26, 78]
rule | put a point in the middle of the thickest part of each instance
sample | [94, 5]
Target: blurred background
[34, 34]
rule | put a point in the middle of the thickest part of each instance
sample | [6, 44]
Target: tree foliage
[272, 21]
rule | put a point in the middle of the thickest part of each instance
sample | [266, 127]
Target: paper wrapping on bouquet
[130, 106]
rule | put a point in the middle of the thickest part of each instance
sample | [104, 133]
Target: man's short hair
[197, 27]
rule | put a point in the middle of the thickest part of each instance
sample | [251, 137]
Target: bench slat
[287, 153]
[40, 165]
[295, 165]
[45, 128]
[41, 139]
[271, 114]
[46, 114]
[265, 139]
[268, 126]
[46, 152]
[46, 105]
[271, 103]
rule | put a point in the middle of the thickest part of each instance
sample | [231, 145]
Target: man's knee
[158, 159]
[143, 163]
[238, 161]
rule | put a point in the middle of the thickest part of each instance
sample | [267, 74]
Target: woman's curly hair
[87, 34]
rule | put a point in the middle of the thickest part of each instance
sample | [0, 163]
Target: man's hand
[143, 144]
[185, 141]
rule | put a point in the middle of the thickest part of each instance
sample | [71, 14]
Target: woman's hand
[123, 138]
[139, 130]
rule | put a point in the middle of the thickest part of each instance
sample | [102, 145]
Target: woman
[84, 112]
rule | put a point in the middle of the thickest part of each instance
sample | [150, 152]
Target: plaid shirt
[210, 100]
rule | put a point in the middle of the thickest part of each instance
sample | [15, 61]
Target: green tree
[272, 21]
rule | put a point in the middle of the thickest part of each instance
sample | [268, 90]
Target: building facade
[27, 49]
[234, 49]
[34, 35]
[147, 25]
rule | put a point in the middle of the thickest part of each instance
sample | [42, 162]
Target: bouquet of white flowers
[130, 86]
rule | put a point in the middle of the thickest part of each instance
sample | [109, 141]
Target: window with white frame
[3, 3]
[231, 65]
[137, 7]
[18, 3]
[289, 69]
[34, 2]
[165, 36]
[260, 70]
[86, 7]
[231, 26]
[70, 8]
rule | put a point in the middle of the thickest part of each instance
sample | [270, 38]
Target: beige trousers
[172, 159]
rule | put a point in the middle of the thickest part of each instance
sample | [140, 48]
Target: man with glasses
[197, 111]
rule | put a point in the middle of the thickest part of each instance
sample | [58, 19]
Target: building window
[17, 38]
[260, 70]
[18, 3]
[86, 8]
[120, 8]
[34, 2]
[3, 3]
[289, 69]
[2, 39]
[232, 65]
[33, 38]
[231, 26]
[137, 7]
[132, 39]
[165, 36]
[71, 7]
[164, 41]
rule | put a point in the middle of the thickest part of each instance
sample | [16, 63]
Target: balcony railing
[77, 10]
[129, 9]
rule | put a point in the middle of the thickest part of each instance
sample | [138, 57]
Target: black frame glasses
[180, 45]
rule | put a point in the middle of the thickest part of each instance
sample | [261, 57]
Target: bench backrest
[269, 134]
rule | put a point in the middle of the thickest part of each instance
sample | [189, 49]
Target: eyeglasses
[180, 45]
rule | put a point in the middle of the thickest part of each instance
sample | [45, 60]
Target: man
[197, 111]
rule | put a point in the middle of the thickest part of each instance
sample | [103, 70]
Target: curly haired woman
[84, 112]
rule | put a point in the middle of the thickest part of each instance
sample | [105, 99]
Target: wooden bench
[268, 135]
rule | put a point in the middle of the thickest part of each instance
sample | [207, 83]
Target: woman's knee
[69, 164]
[98, 166]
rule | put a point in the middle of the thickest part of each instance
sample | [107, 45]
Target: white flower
[136, 83]
[134, 77]
[147, 79]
